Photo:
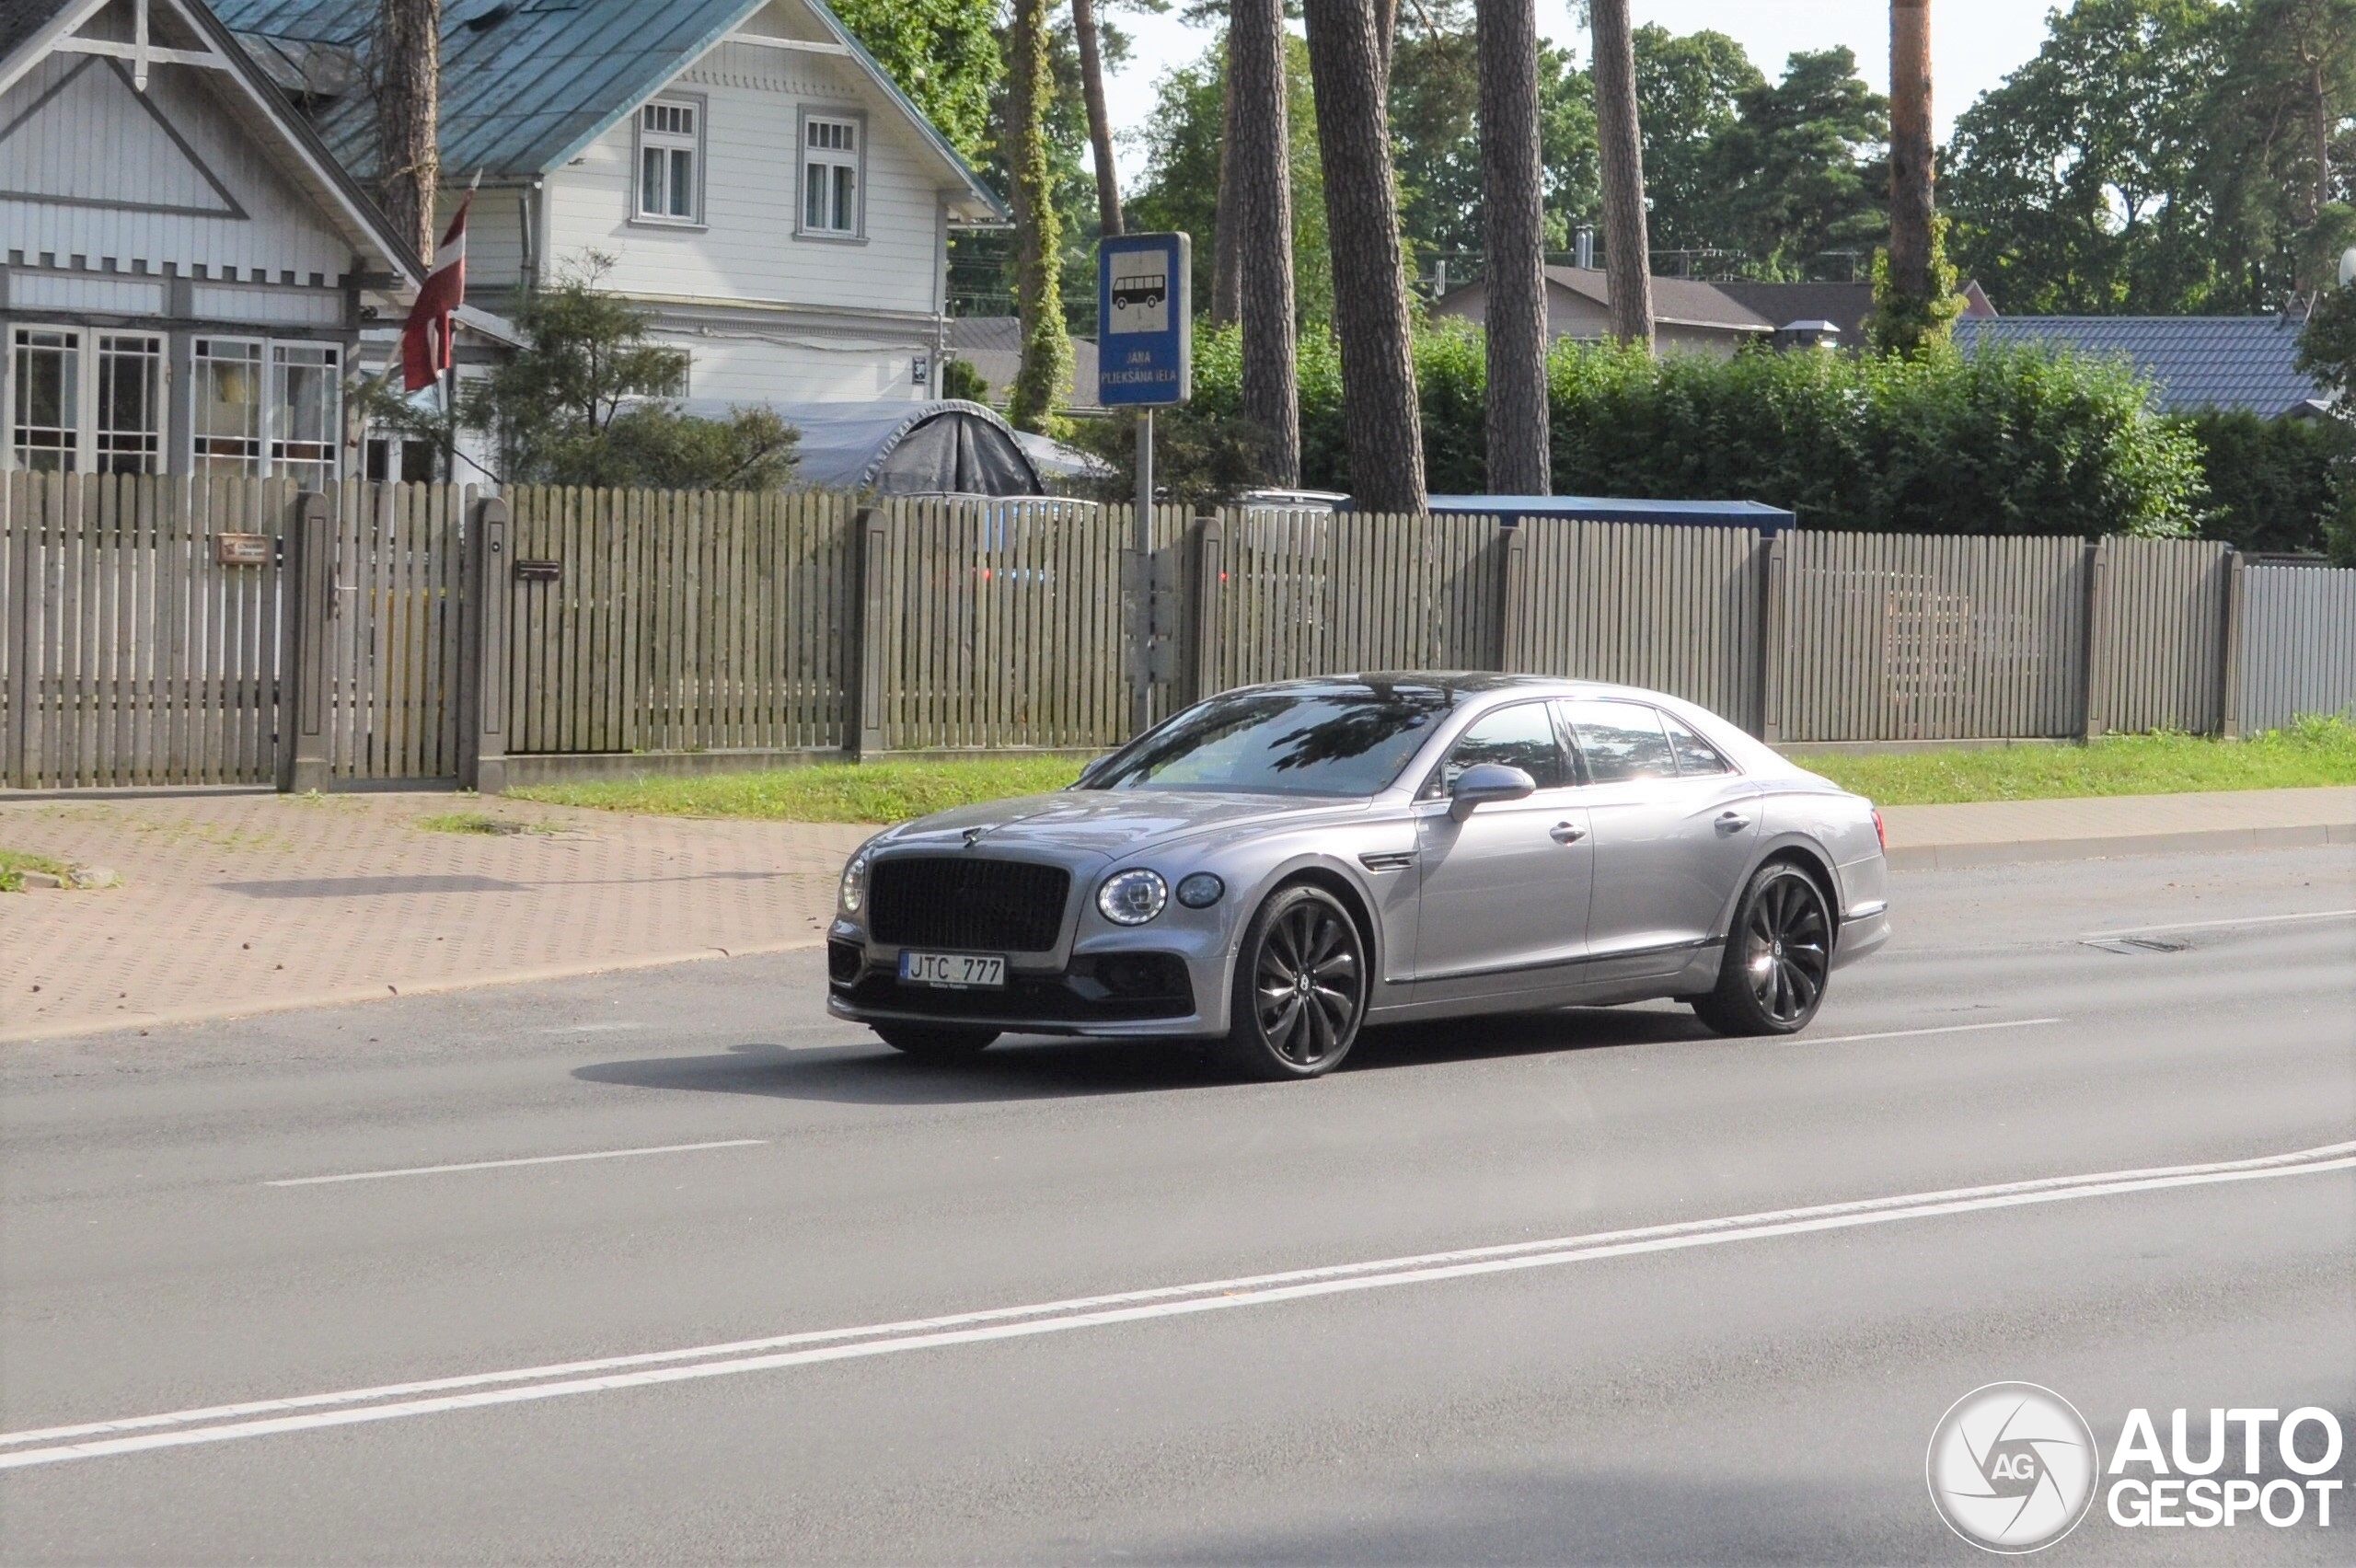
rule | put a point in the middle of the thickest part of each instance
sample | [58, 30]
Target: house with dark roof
[1687, 315]
[993, 346]
[2194, 362]
[761, 187]
[187, 272]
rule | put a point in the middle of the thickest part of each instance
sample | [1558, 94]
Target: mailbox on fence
[241, 549]
[538, 571]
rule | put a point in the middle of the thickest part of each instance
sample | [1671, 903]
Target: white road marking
[1910, 1033]
[392, 1402]
[503, 1164]
[2214, 925]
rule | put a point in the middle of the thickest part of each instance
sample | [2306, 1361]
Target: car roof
[1456, 686]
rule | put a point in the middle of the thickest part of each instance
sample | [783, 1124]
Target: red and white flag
[426, 348]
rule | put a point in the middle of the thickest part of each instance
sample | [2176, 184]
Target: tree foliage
[943, 54]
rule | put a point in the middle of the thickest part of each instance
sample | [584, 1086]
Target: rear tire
[1300, 988]
[931, 1045]
[1778, 956]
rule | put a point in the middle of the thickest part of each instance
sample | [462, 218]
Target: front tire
[931, 1045]
[1300, 988]
[1778, 956]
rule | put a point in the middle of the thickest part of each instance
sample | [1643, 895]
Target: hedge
[2024, 441]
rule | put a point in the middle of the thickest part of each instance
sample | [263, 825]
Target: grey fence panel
[2163, 667]
[1309, 593]
[1003, 626]
[2298, 649]
[392, 630]
[137, 656]
[647, 621]
[1898, 637]
[1677, 609]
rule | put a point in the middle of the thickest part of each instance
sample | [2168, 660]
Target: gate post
[309, 574]
[1513, 583]
[19, 511]
[2098, 648]
[1771, 612]
[482, 652]
[2229, 662]
[1210, 582]
[864, 729]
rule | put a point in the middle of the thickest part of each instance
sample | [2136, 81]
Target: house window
[130, 403]
[44, 417]
[669, 144]
[830, 177]
[227, 416]
[305, 412]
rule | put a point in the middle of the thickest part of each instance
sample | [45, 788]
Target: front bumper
[1119, 993]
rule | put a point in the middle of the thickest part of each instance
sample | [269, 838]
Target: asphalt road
[1758, 1392]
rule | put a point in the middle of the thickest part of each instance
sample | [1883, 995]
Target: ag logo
[2012, 1467]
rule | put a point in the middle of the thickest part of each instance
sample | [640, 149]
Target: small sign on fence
[241, 549]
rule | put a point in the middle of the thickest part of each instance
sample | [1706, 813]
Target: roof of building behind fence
[1619, 508]
[2192, 361]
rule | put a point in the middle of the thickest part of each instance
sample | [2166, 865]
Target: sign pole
[1141, 545]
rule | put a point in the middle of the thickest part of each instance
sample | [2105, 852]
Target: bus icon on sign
[1142, 299]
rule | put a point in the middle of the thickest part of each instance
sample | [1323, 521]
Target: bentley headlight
[854, 890]
[1131, 898]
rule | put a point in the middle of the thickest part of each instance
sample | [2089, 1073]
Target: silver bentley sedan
[1276, 867]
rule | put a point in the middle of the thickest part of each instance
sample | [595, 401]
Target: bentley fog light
[1200, 891]
[1131, 898]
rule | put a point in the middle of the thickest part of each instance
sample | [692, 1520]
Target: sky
[1973, 46]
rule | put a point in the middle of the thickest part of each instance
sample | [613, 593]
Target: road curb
[2023, 852]
[391, 990]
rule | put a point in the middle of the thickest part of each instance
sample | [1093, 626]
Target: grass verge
[876, 792]
[15, 863]
[2314, 751]
[475, 822]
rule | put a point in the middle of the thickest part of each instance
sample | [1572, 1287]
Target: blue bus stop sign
[1145, 320]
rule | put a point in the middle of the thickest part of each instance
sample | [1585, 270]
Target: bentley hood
[1108, 823]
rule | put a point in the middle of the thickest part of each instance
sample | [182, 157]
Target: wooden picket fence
[155, 631]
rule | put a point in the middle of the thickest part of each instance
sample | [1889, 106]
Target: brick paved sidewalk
[239, 904]
[236, 904]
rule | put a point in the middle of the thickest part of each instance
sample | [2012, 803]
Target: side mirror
[1095, 767]
[1484, 782]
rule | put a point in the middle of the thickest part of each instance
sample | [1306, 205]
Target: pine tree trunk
[1512, 207]
[408, 92]
[1100, 124]
[1627, 250]
[1227, 229]
[1046, 370]
[1910, 150]
[1383, 424]
[1261, 192]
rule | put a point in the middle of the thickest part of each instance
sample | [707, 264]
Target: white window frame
[829, 159]
[75, 449]
[275, 450]
[128, 449]
[652, 136]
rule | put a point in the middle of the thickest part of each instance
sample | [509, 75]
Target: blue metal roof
[2192, 361]
[527, 83]
[1512, 509]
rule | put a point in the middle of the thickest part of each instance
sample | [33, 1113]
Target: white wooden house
[760, 185]
[185, 271]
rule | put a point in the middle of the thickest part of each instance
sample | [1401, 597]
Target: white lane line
[1910, 1033]
[2214, 925]
[305, 1413]
[504, 1164]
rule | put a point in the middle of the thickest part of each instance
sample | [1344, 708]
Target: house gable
[142, 163]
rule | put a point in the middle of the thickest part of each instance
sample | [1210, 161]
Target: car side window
[1694, 755]
[1621, 741]
[1520, 736]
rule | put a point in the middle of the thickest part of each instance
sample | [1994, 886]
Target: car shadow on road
[1036, 1069]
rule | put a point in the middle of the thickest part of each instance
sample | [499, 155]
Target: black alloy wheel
[1300, 988]
[928, 1043]
[1778, 956]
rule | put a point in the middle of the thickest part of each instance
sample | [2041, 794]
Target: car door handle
[1732, 822]
[1566, 833]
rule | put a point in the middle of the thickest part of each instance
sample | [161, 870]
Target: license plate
[958, 971]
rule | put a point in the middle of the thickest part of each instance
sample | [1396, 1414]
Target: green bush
[2273, 484]
[2001, 442]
